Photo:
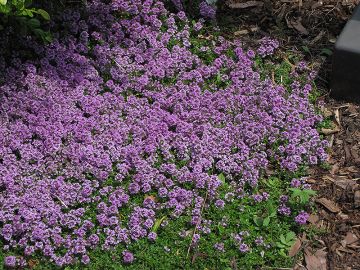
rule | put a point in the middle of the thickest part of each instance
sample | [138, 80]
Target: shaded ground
[310, 29]
[339, 215]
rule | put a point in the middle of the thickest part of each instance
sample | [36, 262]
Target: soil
[310, 28]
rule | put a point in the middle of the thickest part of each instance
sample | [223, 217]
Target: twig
[197, 224]
[57, 197]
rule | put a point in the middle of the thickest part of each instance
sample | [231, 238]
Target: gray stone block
[345, 81]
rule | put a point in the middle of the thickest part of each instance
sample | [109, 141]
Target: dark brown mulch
[307, 26]
[310, 28]
[340, 215]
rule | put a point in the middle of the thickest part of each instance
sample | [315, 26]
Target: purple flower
[85, 259]
[301, 218]
[284, 210]
[195, 239]
[220, 247]
[295, 183]
[207, 11]
[259, 241]
[220, 204]
[244, 248]
[10, 261]
[152, 236]
[128, 257]
[267, 46]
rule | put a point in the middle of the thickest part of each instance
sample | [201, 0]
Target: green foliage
[302, 195]
[26, 18]
[286, 242]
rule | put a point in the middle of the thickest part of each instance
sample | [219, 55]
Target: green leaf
[3, 2]
[222, 178]
[266, 221]
[211, 2]
[283, 240]
[43, 14]
[258, 221]
[27, 12]
[326, 51]
[158, 223]
[306, 49]
[34, 23]
[282, 253]
[290, 236]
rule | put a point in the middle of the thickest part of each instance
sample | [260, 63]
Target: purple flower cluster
[93, 122]
[300, 183]
[301, 218]
[206, 10]
[267, 46]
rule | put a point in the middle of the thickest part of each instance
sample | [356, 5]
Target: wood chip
[247, 4]
[337, 116]
[345, 183]
[329, 205]
[348, 156]
[357, 198]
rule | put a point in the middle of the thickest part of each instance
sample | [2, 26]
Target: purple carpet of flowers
[206, 10]
[120, 95]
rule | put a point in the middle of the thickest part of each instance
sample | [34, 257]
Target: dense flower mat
[123, 103]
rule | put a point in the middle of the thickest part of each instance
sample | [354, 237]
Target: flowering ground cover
[141, 138]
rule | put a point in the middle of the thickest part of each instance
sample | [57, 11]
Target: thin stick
[197, 224]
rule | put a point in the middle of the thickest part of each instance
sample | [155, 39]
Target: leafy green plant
[24, 17]
[286, 242]
[262, 222]
[301, 195]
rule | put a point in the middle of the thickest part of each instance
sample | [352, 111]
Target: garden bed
[141, 139]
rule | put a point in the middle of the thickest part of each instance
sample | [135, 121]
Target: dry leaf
[352, 169]
[241, 32]
[335, 169]
[151, 197]
[32, 263]
[313, 219]
[314, 262]
[343, 216]
[296, 24]
[330, 205]
[318, 37]
[349, 239]
[326, 112]
[317, 4]
[295, 248]
[247, 4]
[321, 256]
[328, 131]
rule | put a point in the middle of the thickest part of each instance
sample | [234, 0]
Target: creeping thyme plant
[137, 140]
